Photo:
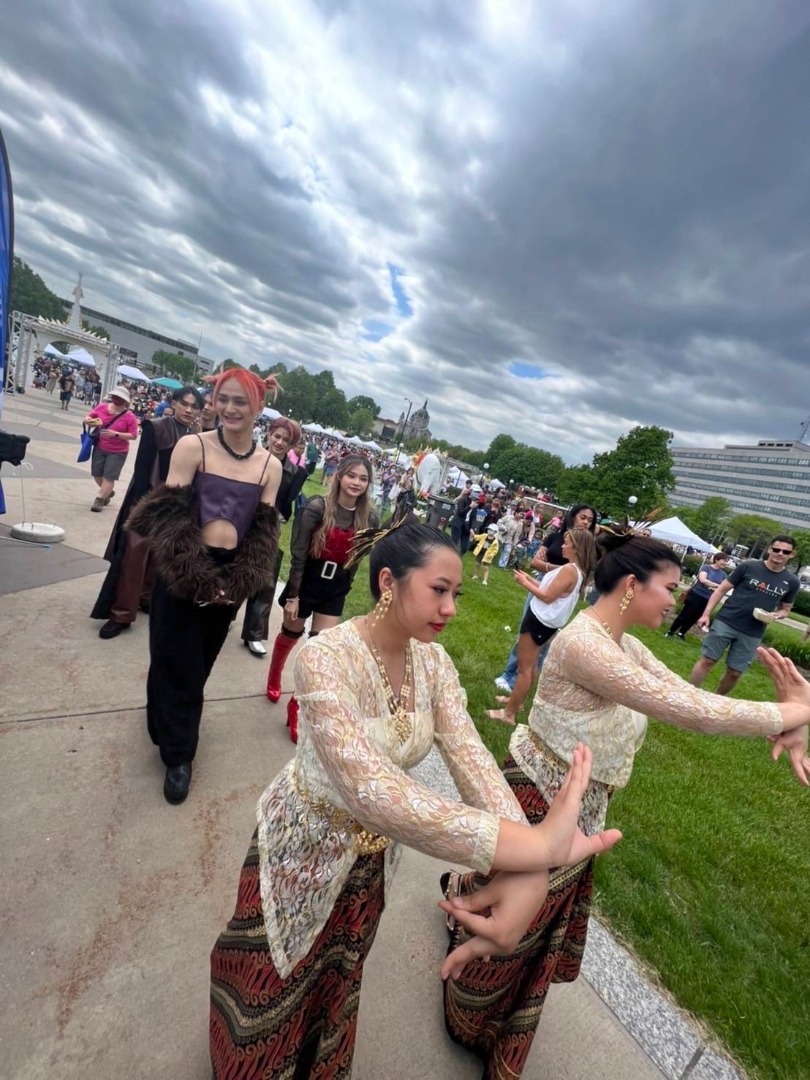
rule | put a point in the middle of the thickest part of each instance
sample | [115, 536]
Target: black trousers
[256, 623]
[184, 641]
[693, 608]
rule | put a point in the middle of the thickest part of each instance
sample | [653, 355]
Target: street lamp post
[631, 502]
[402, 429]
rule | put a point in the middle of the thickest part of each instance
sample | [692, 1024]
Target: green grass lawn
[711, 884]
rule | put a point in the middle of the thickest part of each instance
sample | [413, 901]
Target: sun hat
[122, 393]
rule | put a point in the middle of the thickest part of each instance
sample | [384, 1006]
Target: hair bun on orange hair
[253, 386]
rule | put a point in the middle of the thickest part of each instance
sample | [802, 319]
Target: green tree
[640, 465]
[361, 422]
[710, 519]
[330, 407]
[30, 294]
[753, 530]
[499, 445]
[362, 401]
[298, 397]
[576, 484]
[686, 514]
[802, 538]
[95, 329]
[529, 465]
[174, 366]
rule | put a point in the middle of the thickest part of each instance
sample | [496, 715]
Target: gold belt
[545, 751]
[365, 842]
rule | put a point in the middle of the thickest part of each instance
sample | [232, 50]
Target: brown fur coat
[168, 518]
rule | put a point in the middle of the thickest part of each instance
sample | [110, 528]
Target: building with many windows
[770, 478]
[137, 345]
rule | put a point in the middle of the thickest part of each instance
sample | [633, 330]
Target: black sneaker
[112, 629]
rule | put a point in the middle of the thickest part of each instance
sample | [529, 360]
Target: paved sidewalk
[112, 899]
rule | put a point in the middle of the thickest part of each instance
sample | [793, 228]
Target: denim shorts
[742, 648]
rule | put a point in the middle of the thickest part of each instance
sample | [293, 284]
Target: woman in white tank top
[552, 605]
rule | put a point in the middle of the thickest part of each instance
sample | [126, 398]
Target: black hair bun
[613, 537]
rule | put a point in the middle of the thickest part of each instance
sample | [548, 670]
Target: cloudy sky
[555, 219]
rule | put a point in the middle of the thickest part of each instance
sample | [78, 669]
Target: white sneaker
[257, 648]
[503, 685]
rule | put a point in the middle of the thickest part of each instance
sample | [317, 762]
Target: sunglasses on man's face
[782, 551]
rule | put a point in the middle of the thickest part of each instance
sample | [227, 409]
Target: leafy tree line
[715, 521]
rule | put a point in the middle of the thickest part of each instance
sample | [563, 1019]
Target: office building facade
[137, 345]
[769, 477]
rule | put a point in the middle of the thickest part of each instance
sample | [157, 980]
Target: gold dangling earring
[625, 601]
[382, 606]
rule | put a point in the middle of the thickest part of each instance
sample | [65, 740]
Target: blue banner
[6, 252]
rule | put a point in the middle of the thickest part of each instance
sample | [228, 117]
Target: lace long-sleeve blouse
[350, 760]
[601, 692]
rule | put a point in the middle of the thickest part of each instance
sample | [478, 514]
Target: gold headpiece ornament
[365, 540]
[624, 528]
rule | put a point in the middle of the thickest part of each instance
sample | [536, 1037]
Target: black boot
[176, 785]
[112, 629]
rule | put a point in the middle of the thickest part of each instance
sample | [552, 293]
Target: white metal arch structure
[30, 334]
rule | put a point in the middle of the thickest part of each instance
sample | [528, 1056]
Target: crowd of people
[197, 536]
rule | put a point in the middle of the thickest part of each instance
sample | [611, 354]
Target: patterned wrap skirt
[303, 1026]
[494, 1009]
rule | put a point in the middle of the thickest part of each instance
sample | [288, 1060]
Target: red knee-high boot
[282, 647]
[292, 718]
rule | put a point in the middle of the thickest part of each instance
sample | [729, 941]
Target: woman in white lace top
[375, 694]
[598, 687]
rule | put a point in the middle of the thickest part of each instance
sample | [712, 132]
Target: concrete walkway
[112, 899]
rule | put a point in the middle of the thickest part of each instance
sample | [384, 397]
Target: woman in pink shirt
[117, 427]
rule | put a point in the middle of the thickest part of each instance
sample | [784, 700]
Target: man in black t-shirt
[766, 584]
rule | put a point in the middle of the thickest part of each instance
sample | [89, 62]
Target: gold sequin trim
[365, 842]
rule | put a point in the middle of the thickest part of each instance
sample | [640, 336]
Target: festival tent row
[333, 433]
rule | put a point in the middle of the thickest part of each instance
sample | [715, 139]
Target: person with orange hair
[213, 532]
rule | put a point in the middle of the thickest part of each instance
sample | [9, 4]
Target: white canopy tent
[335, 434]
[313, 427]
[497, 484]
[373, 446]
[456, 477]
[355, 440]
[51, 350]
[269, 414]
[674, 531]
[127, 371]
[81, 357]
[399, 458]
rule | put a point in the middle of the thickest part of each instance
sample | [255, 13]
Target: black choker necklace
[230, 450]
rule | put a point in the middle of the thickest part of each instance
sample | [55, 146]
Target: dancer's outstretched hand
[565, 841]
[795, 742]
[498, 914]
[790, 685]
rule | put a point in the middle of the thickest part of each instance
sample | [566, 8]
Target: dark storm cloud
[617, 195]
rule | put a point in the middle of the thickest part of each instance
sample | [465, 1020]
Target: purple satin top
[221, 499]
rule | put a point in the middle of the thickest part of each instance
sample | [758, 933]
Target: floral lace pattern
[547, 772]
[595, 690]
[349, 756]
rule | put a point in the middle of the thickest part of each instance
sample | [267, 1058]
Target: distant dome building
[417, 426]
